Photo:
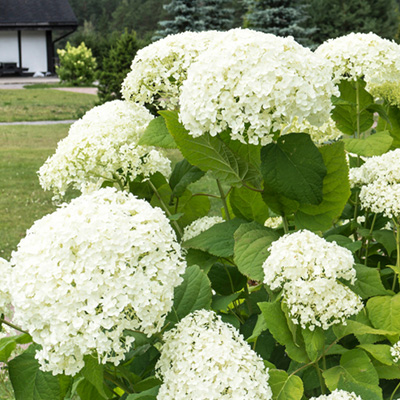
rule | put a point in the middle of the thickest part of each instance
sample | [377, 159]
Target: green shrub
[116, 66]
[77, 65]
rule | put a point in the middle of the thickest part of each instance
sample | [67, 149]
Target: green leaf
[157, 134]
[194, 293]
[150, 394]
[222, 302]
[9, 343]
[380, 352]
[345, 241]
[183, 175]
[261, 326]
[93, 372]
[29, 382]
[293, 167]
[336, 191]
[277, 325]
[357, 328]
[87, 391]
[210, 153]
[251, 249]
[355, 367]
[386, 238]
[278, 203]
[146, 384]
[226, 279]
[365, 391]
[384, 312]
[248, 204]
[285, 387]
[197, 257]
[386, 371]
[394, 129]
[373, 145]
[218, 240]
[314, 342]
[368, 282]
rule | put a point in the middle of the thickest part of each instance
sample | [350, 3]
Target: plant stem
[285, 224]
[320, 378]
[165, 208]
[398, 252]
[394, 391]
[223, 199]
[367, 243]
[3, 321]
[251, 188]
[358, 133]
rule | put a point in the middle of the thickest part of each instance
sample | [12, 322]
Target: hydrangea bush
[263, 264]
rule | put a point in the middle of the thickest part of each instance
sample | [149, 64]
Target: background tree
[216, 14]
[378, 16]
[116, 66]
[279, 17]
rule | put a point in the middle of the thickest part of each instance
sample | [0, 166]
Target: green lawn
[23, 150]
[43, 104]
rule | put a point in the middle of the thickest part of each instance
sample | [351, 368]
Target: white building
[27, 34]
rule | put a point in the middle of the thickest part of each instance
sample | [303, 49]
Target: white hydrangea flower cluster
[256, 84]
[273, 222]
[104, 263]
[305, 255]
[159, 69]
[200, 225]
[103, 146]
[307, 268]
[366, 55]
[204, 358]
[325, 133]
[395, 352]
[5, 297]
[338, 395]
[379, 179]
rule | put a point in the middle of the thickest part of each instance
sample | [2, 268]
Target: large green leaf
[93, 372]
[157, 134]
[278, 203]
[182, 176]
[197, 257]
[294, 168]
[150, 394]
[251, 249]
[357, 328]
[384, 312]
[87, 391]
[380, 352]
[394, 128]
[373, 145]
[248, 204]
[9, 343]
[29, 382]
[368, 282]
[314, 342]
[277, 325]
[285, 387]
[386, 371]
[336, 191]
[218, 240]
[386, 238]
[226, 279]
[194, 293]
[210, 153]
[355, 367]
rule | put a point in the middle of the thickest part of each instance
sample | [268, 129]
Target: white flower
[338, 395]
[159, 69]
[103, 146]
[304, 255]
[5, 275]
[102, 264]
[273, 222]
[379, 179]
[199, 226]
[362, 55]
[320, 302]
[205, 359]
[255, 84]
[395, 352]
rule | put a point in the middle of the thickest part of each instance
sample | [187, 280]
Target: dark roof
[36, 14]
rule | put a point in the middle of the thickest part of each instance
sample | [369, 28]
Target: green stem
[367, 242]
[165, 208]
[117, 382]
[285, 224]
[398, 252]
[358, 133]
[3, 321]
[394, 391]
[223, 199]
[320, 378]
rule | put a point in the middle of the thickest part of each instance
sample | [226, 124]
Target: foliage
[378, 16]
[311, 306]
[77, 65]
[116, 65]
[279, 17]
[216, 14]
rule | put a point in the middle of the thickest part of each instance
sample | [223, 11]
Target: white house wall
[9, 46]
[34, 51]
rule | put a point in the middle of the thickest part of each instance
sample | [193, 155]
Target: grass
[43, 104]
[23, 150]
[50, 85]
